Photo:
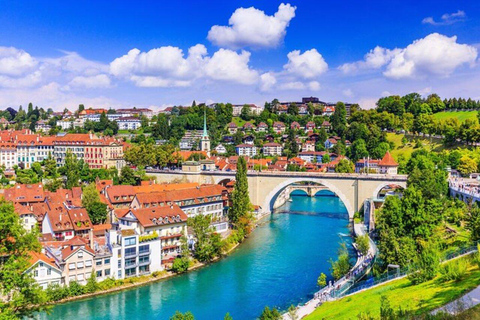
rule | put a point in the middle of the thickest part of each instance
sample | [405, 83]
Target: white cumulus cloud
[267, 81]
[434, 55]
[230, 66]
[307, 65]
[97, 81]
[251, 27]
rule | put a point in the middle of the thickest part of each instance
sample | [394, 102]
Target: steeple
[205, 132]
[205, 140]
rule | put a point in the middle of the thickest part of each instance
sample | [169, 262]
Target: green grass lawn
[407, 149]
[239, 121]
[420, 298]
[460, 115]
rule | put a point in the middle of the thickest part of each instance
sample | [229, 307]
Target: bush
[75, 289]
[55, 292]
[181, 265]
[454, 270]
[363, 244]
[92, 284]
[426, 265]
[149, 237]
[108, 284]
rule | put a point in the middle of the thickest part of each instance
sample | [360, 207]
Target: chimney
[90, 233]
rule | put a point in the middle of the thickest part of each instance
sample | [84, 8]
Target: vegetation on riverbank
[416, 298]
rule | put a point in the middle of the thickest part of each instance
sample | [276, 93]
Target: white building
[246, 150]
[42, 126]
[129, 123]
[44, 270]
[133, 255]
[272, 149]
[221, 149]
[8, 154]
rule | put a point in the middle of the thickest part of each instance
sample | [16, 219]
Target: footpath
[330, 292]
[463, 303]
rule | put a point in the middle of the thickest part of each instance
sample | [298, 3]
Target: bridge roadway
[264, 187]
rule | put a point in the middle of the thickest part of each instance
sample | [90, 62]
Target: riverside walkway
[336, 289]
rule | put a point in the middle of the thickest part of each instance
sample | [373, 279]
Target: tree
[50, 166]
[97, 211]
[92, 284]
[363, 244]
[467, 165]
[358, 150]
[292, 312]
[473, 223]
[22, 297]
[326, 158]
[245, 113]
[426, 264]
[182, 263]
[227, 317]
[127, 176]
[345, 166]
[322, 280]
[339, 119]
[268, 314]
[208, 244]
[240, 198]
[71, 170]
[342, 265]
[182, 316]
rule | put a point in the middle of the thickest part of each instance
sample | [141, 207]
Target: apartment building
[272, 149]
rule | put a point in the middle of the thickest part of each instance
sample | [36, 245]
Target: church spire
[205, 132]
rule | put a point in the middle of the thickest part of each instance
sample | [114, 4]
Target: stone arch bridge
[265, 187]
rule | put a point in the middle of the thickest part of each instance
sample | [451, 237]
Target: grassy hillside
[460, 115]
[407, 149]
[418, 298]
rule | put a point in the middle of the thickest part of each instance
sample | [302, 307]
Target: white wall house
[44, 270]
[129, 123]
[246, 150]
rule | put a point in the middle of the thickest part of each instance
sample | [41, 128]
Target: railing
[370, 176]
[405, 271]
[142, 252]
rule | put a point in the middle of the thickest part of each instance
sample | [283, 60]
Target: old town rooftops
[25, 193]
[199, 194]
[149, 217]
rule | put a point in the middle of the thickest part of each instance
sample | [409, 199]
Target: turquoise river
[276, 266]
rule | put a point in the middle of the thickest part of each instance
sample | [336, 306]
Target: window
[144, 259]
[130, 241]
[80, 277]
[88, 263]
[71, 278]
[98, 262]
[119, 273]
[130, 272]
[107, 272]
[99, 274]
[130, 262]
[119, 264]
[144, 249]
[107, 261]
[35, 273]
[80, 254]
[71, 266]
[130, 251]
[79, 265]
[49, 271]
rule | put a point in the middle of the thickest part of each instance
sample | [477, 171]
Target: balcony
[144, 252]
[144, 263]
[130, 254]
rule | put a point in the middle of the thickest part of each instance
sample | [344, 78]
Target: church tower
[205, 140]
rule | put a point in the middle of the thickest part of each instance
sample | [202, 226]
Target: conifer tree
[240, 197]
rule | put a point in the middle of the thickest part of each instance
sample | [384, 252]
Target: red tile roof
[388, 161]
[149, 217]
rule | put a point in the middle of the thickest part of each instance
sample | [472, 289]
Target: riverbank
[135, 282]
[277, 265]
[419, 299]
[324, 294]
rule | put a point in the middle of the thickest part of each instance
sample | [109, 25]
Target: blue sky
[60, 55]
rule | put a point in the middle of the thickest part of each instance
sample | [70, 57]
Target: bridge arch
[275, 192]
[383, 185]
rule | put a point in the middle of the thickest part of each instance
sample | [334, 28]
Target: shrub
[149, 237]
[181, 265]
[363, 244]
[75, 289]
[454, 270]
[55, 292]
[92, 284]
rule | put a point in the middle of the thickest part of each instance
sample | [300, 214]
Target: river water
[276, 266]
